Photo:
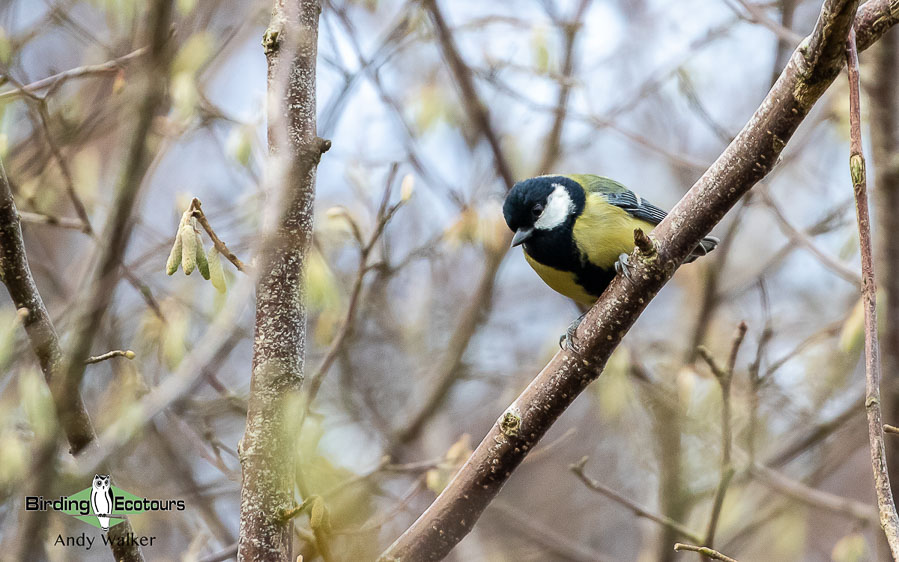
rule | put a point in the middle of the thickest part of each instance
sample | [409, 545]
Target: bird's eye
[537, 210]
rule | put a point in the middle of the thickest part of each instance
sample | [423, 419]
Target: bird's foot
[623, 266]
[566, 340]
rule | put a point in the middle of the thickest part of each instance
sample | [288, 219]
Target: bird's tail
[705, 246]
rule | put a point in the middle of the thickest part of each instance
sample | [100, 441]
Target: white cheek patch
[559, 207]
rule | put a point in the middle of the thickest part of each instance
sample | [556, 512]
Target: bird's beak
[521, 235]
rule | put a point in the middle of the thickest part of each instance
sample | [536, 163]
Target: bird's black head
[542, 205]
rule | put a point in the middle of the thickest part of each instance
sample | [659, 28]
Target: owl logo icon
[101, 499]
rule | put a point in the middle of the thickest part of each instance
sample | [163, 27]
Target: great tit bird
[577, 230]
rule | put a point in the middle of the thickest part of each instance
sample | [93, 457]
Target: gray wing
[636, 206]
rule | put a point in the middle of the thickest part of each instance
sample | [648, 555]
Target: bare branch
[475, 109]
[783, 34]
[126, 353]
[724, 376]
[803, 239]
[62, 222]
[889, 520]
[525, 525]
[813, 497]
[53, 83]
[578, 469]
[705, 551]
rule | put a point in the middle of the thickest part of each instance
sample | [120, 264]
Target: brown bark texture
[889, 520]
[267, 448]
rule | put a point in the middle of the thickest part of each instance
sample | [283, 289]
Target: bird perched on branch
[577, 231]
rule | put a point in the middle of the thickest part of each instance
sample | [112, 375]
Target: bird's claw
[623, 266]
[566, 340]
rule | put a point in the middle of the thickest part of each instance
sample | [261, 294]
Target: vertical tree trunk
[267, 448]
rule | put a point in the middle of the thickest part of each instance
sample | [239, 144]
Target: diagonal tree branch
[15, 273]
[749, 157]
[53, 83]
[578, 470]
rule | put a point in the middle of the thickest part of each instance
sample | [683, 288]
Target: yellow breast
[603, 232]
[561, 281]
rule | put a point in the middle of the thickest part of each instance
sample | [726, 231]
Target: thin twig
[385, 214]
[552, 542]
[197, 212]
[784, 45]
[724, 377]
[52, 83]
[554, 138]
[889, 520]
[126, 353]
[52, 220]
[803, 239]
[43, 123]
[813, 497]
[816, 433]
[85, 226]
[705, 551]
[464, 78]
[755, 381]
[892, 429]
[824, 334]
[758, 16]
[827, 224]
[378, 522]
[578, 469]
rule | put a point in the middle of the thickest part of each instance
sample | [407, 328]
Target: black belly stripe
[556, 249]
[594, 279]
